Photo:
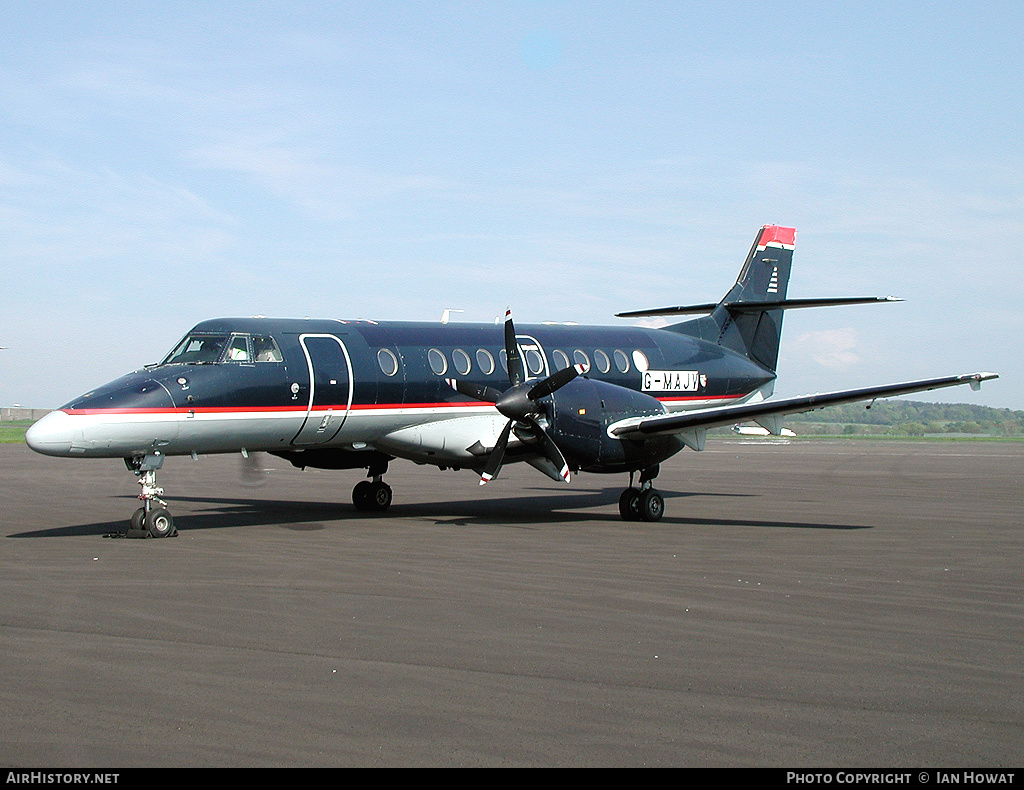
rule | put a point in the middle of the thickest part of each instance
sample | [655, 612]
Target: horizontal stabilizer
[757, 307]
[684, 422]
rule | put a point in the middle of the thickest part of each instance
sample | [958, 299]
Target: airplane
[358, 394]
[751, 430]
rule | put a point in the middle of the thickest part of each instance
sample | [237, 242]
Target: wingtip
[976, 379]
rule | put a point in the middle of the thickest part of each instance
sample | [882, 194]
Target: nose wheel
[154, 523]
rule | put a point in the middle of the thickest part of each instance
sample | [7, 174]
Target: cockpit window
[238, 349]
[264, 349]
[211, 349]
[197, 350]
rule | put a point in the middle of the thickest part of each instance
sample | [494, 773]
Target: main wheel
[629, 504]
[159, 523]
[372, 496]
[651, 505]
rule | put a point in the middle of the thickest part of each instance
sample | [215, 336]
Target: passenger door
[330, 388]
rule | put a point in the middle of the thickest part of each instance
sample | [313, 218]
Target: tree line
[912, 418]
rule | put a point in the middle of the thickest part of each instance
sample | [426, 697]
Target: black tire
[651, 505]
[629, 504]
[362, 495]
[159, 523]
[138, 520]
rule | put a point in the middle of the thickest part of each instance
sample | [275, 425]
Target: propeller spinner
[520, 404]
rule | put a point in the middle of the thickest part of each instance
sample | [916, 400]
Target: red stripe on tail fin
[786, 237]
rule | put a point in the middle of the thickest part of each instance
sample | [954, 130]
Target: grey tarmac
[802, 604]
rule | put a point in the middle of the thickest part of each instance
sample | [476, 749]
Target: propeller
[519, 404]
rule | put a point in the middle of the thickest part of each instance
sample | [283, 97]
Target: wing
[768, 413]
[758, 307]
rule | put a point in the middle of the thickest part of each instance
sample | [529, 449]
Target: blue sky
[162, 163]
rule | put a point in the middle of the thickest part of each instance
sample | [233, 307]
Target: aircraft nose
[51, 435]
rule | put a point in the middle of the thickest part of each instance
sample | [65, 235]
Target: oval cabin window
[438, 363]
[463, 364]
[388, 361]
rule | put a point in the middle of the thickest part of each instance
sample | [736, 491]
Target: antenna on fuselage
[447, 314]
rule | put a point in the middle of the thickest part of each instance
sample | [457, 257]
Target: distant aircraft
[757, 430]
[333, 394]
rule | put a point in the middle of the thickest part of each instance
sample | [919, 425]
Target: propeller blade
[493, 465]
[474, 391]
[555, 381]
[550, 449]
[516, 374]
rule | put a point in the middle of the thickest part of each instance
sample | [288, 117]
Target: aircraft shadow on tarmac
[531, 510]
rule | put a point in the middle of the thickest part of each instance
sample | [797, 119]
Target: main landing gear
[644, 503]
[153, 519]
[373, 495]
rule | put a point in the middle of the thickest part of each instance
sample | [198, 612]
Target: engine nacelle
[579, 415]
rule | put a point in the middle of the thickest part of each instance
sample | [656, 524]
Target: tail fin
[748, 319]
[747, 324]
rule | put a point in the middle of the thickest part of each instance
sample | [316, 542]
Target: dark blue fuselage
[363, 386]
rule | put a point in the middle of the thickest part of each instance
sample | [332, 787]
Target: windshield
[197, 350]
[203, 349]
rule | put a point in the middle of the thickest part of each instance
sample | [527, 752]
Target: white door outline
[527, 343]
[323, 423]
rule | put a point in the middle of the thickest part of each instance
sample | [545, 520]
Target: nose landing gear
[153, 519]
[644, 503]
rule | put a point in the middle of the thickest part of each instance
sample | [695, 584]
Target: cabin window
[640, 361]
[601, 360]
[534, 360]
[561, 359]
[388, 361]
[581, 358]
[438, 363]
[264, 349]
[463, 364]
[621, 360]
[485, 361]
